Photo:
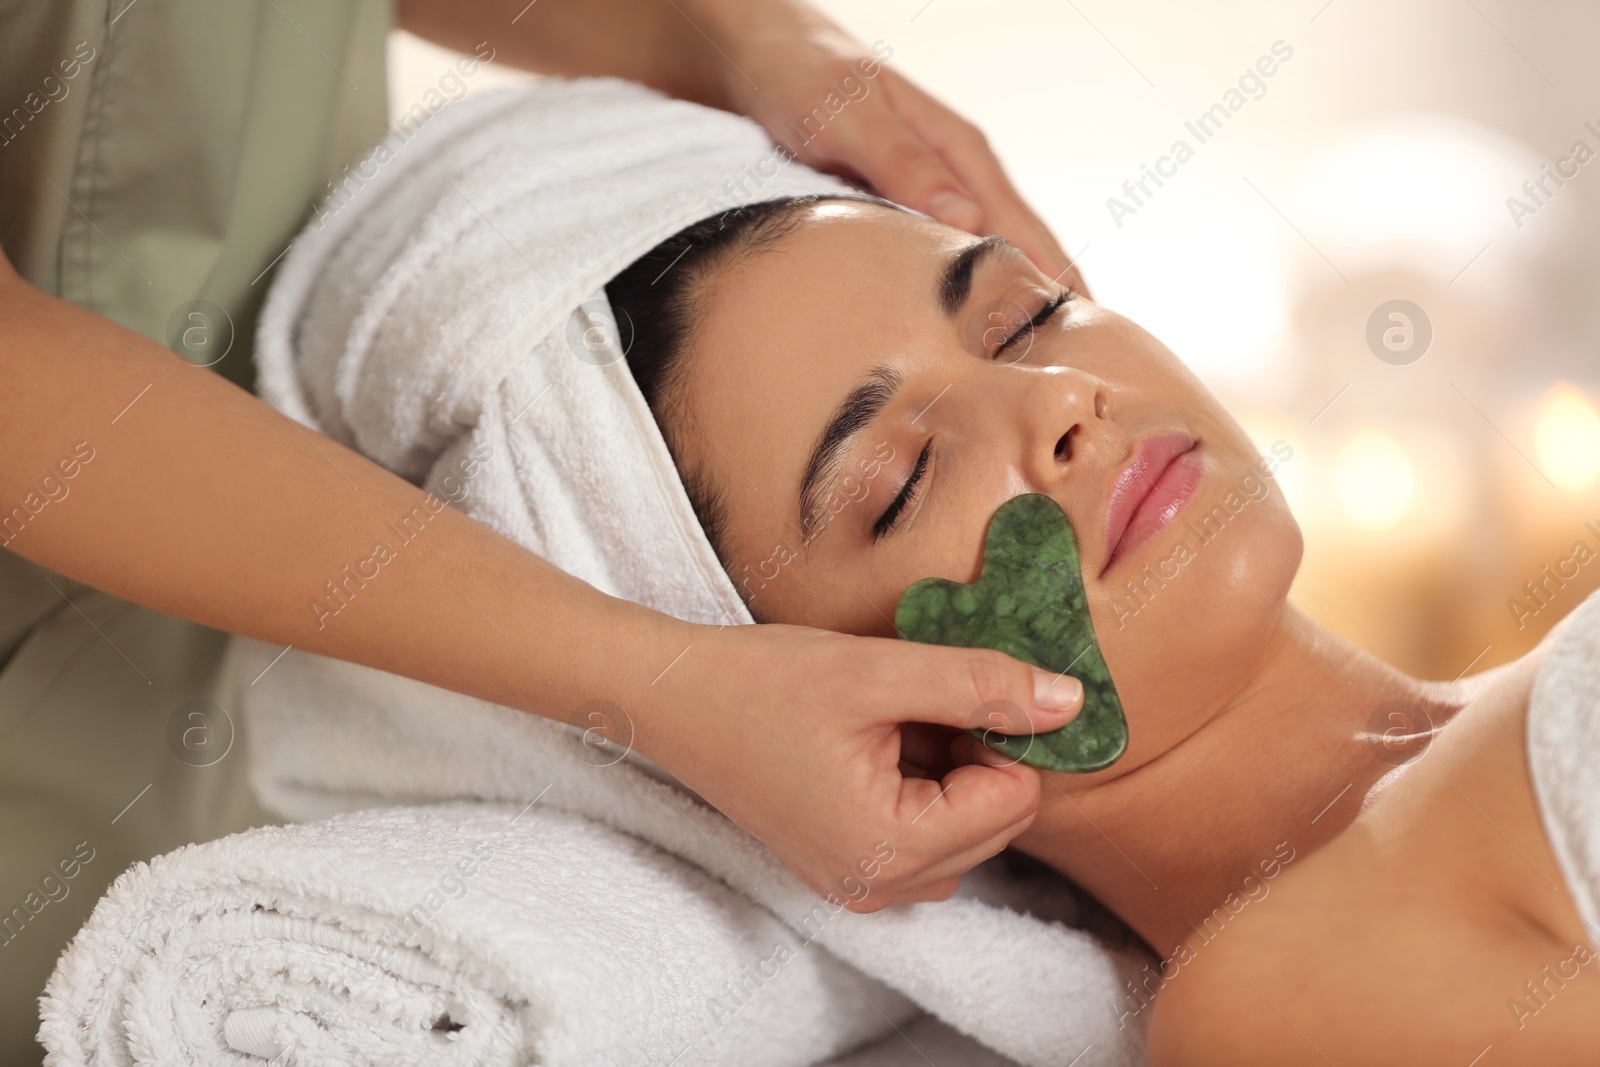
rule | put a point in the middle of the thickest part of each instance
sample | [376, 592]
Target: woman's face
[1185, 566]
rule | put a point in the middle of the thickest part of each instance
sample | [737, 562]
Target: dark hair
[656, 301]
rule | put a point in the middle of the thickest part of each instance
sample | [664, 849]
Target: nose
[1064, 414]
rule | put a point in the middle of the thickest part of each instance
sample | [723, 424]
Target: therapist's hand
[796, 734]
[833, 103]
[780, 62]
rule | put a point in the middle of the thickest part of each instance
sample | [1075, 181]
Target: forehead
[785, 333]
[843, 265]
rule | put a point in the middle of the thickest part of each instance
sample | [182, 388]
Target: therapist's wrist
[628, 701]
[746, 33]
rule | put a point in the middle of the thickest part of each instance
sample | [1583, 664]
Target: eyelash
[897, 507]
[1044, 315]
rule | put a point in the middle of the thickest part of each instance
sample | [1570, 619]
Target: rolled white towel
[447, 934]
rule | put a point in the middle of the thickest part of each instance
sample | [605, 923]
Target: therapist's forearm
[660, 43]
[200, 500]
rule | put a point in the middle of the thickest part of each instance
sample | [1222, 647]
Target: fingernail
[953, 209]
[1056, 692]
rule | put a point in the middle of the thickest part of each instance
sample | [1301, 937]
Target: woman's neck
[1277, 772]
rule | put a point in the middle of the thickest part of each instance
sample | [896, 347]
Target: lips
[1150, 491]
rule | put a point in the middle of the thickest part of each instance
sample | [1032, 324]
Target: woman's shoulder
[1349, 961]
[1426, 914]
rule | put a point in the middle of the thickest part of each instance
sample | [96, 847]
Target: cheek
[860, 596]
[1183, 631]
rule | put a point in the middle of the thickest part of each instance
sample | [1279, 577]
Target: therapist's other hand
[833, 103]
[784, 64]
[796, 734]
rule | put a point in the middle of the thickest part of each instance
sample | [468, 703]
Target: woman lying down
[1317, 894]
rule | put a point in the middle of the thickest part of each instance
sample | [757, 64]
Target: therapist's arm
[189, 495]
[782, 63]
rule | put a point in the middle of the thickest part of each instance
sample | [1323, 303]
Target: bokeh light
[1566, 438]
[1375, 479]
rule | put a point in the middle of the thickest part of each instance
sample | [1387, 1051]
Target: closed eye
[1043, 316]
[897, 507]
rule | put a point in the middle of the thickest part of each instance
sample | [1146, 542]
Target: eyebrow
[859, 407]
[873, 393]
[955, 281]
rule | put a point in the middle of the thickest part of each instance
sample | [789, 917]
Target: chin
[1185, 637]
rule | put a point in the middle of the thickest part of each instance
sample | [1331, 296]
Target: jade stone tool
[1028, 602]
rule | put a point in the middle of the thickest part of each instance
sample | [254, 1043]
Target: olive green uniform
[156, 158]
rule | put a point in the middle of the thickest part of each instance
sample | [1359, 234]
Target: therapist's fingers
[798, 735]
[941, 880]
[915, 151]
[957, 866]
[979, 689]
[900, 165]
[942, 828]
[937, 876]
[837, 106]
[973, 164]
[942, 890]
[928, 750]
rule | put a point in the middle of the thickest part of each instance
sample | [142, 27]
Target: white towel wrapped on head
[442, 322]
[457, 302]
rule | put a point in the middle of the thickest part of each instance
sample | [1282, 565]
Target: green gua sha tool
[1028, 602]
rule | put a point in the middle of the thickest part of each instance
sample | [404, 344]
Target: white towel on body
[441, 320]
[1564, 755]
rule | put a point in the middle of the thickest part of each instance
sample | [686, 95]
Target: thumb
[904, 168]
[985, 689]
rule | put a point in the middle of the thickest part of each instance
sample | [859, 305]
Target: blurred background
[1383, 253]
